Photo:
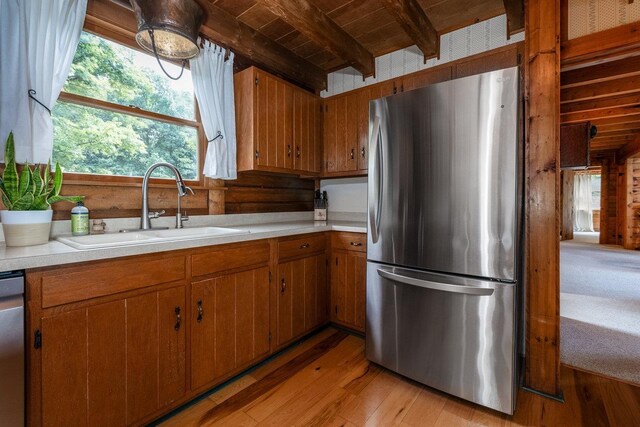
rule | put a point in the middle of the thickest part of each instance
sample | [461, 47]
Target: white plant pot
[26, 228]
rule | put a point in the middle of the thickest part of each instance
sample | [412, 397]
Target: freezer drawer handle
[458, 289]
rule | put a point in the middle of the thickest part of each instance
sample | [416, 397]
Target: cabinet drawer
[349, 241]
[230, 258]
[72, 284]
[300, 246]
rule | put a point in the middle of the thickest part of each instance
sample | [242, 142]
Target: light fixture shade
[175, 25]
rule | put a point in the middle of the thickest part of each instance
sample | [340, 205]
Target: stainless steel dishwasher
[12, 388]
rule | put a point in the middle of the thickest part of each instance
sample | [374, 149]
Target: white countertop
[57, 253]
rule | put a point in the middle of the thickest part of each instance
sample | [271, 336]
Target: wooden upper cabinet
[275, 127]
[343, 124]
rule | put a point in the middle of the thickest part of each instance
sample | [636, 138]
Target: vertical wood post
[542, 47]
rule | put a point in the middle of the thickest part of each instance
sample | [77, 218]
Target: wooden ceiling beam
[515, 16]
[315, 24]
[600, 103]
[622, 86]
[222, 27]
[625, 67]
[597, 47]
[415, 22]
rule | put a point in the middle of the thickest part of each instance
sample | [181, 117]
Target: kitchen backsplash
[346, 195]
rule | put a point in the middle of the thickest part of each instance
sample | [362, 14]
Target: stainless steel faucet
[146, 216]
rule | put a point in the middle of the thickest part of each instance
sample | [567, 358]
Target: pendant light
[168, 29]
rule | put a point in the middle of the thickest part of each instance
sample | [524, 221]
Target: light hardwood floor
[327, 381]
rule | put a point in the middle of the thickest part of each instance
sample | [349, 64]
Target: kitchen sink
[195, 232]
[142, 237]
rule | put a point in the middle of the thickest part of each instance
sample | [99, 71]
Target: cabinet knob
[356, 244]
[288, 150]
[297, 151]
[363, 152]
[283, 286]
[178, 319]
[304, 246]
[200, 311]
[353, 153]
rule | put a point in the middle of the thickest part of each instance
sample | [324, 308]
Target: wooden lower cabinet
[348, 280]
[229, 324]
[113, 363]
[122, 342]
[302, 297]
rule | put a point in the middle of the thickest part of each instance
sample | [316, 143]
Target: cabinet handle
[288, 150]
[356, 244]
[353, 153]
[283, 286]
[297, 151]
[363, 152]
[304, 246]
[257, 154]
[200, 311]
[178, 319]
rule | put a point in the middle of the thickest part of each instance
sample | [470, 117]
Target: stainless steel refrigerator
[444, 221]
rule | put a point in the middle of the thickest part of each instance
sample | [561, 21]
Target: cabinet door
[284, 307]
[330, 134]
[364, 96]
[113, 363]
[315, 291]
[229, 324]
[155, 351]
[348, 287]
[349, 144]
[274, 116]
[306, 125]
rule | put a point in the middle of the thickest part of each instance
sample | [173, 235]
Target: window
[118, 114]
[595, 192]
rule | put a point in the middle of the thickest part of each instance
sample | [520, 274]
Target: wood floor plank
[307, 386]
[367, 401]
[326, 381]
[395, 406]
[272, 380]
[426, 409]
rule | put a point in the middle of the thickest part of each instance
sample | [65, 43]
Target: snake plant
[32, 189]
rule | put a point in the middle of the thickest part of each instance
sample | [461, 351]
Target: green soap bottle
[80, 220]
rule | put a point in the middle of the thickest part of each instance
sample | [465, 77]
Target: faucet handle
[153, 215]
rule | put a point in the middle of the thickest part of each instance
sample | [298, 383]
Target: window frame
[123, 38]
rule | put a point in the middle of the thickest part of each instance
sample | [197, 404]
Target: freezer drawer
[451, 333]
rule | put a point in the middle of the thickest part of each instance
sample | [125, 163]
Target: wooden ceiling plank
[623, 126]
[223, 28]
[515, 16]
[605, 102]
[625, 85]
[315, 24]
[413, 20]
[632, 118]
[625, 67]
[604, 113]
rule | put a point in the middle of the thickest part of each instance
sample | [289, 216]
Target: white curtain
[583, 220]
[213, 85]
[38, 42]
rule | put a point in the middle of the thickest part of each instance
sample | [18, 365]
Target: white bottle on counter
[80, 220]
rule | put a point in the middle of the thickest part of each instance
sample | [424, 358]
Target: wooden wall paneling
[604, 197]
[106, 200]
[566, 232]
[542, 152]
[631, 238]
[256, 192]
[621, 223]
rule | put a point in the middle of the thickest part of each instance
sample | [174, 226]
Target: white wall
[461, 43]
[346, 194]
[591, 16]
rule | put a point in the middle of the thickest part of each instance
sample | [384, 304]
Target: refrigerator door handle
[374, 190]
[428, 284]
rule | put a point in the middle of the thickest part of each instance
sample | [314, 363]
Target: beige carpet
[600, 308]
